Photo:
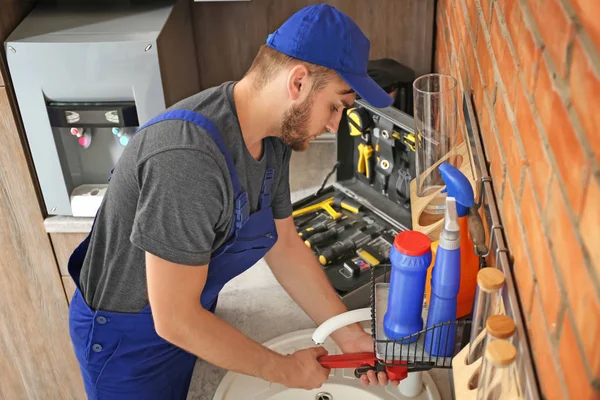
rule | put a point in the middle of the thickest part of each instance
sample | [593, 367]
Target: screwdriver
[340, 248]
[328, 234]
[320, 226]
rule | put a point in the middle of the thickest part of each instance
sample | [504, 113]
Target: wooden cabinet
[229, 33]
[36, 355]
[64, 244]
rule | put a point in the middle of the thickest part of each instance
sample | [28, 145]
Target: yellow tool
[358, 121]
[325, 205]
[407, 138]
[365, 152]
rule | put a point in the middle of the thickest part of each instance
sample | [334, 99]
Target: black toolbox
[374, 142]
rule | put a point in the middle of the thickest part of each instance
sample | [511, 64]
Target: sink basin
[342, 384]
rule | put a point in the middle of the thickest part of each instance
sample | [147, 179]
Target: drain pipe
[412, 385]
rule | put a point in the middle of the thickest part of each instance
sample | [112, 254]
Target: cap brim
[368, 90]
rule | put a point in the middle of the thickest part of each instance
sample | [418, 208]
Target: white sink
[342, 384]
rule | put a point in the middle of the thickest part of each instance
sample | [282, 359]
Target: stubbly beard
[294, 125]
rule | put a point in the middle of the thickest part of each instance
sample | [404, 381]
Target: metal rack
[416, 352]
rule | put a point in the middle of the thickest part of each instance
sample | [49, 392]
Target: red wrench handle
[348, 360]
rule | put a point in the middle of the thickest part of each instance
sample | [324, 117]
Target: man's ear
[298, 81]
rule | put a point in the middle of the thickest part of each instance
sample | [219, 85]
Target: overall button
[101, 320]
[97, 348]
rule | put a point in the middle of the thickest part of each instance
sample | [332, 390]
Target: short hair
[268, 62]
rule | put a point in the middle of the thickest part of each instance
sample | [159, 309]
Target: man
[198, 196]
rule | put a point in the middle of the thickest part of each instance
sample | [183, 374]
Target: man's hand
[359, 341]
[304, 371]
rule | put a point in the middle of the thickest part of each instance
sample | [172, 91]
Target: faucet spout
[339, 321]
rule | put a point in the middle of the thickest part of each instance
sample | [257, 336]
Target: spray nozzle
[458, 187]
[451, 230]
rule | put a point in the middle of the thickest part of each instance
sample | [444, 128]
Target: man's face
[320, 112]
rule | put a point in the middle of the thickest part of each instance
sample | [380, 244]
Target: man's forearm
[212, 339]
[298, 271]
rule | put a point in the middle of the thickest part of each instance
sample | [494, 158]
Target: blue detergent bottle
[410, 257]
[445, 285]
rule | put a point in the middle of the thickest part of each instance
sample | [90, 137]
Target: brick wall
[534, 69]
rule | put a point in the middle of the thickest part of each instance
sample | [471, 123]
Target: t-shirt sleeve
[180, 207]
[281, 203]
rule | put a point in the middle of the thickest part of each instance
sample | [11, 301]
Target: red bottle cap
[412, 243]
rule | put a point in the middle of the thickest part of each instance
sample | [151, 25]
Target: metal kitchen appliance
[86, 76]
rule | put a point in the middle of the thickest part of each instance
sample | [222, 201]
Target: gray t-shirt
[171, 195]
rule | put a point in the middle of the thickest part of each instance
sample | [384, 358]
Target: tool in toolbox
[363, 362]
[331, 233]
[365, 153]
[348, 245]
[319, 224]
[360, 125]
[307, 219]
[384, 154]
[326, 205]
[346, 203]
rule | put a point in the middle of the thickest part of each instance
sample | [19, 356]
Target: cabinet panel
[34, 338]
[228, 34]
[64, 244]
[69, 286]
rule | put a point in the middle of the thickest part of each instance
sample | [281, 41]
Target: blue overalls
[120, 354]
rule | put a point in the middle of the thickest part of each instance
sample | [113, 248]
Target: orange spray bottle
[459, 187]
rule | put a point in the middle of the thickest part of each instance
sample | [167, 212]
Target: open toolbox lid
[391, 134]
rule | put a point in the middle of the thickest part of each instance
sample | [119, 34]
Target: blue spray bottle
[445, 285]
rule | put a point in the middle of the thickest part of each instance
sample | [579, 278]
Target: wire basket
[429, 348]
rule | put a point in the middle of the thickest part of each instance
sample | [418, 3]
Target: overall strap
[265, 191]
[242, 205]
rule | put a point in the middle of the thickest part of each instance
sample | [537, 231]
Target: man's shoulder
[202, 100]
[179, 134]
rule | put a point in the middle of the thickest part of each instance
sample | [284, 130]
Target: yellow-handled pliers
[365, 152]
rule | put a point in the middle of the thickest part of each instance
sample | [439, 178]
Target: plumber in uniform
[200, 194]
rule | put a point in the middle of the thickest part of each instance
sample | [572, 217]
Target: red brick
[485, 62]
[514, 161]
[464, 73]
[460, 19]
[442, 51]
[543, 353]
[504, 59]
[555, 29]
[540, 255]
[590, 223]
[478, 89]
[569, 256]
[588, 328]
[471, 6]
[486, 7]
[496, 162]
[453, 28]
[513, 17]
[578, 384]
[565, 146]
[532, 142]
[474, 77]
[528, 54]
[588, 12]
[585, 86]
[521, 266]
[486, 129]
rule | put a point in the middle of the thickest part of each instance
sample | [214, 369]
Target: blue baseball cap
[322, 35]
